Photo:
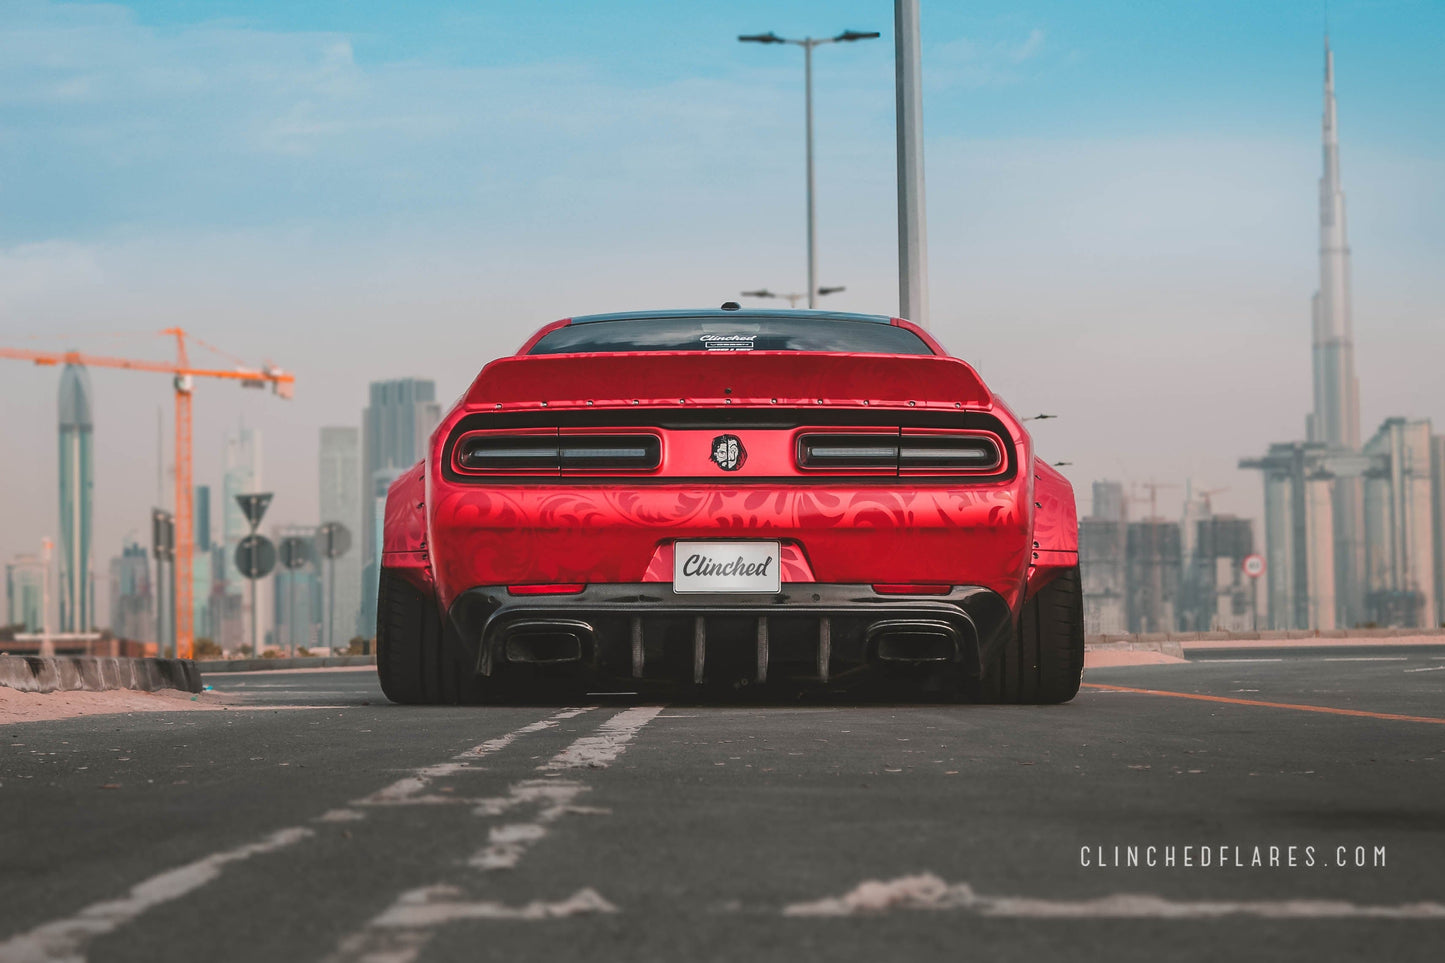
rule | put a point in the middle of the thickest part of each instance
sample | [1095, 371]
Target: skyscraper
[132, 604]
[340, 479]
[1399, 511]
[1102, 543]
[76, 482]
[24, 593]
[1335, 421]
[396, 426]
[1314, 503]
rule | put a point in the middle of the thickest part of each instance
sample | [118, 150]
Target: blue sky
[1121, 204]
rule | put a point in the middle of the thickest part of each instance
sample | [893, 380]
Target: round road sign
[333, 539]
[255, 556]
[1253, 565]
[295, 551]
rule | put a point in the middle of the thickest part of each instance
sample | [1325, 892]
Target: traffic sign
[1253, 565]
[295, 551]
[333, 540]
[163, 534]
[255, 556]
[254, 506]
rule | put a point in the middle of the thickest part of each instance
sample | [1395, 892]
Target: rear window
[726, 334]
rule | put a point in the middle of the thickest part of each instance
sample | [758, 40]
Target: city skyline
[1063, 193]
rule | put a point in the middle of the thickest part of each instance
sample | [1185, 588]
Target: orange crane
[1205, 494]
[183, 375]
[1153, 489]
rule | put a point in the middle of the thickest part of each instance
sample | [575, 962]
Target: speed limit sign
[1253, 565]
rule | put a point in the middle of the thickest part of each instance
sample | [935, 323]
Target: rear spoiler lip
[498, 386]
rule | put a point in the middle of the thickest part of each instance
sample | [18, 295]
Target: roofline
[754, 313]
[740, 313]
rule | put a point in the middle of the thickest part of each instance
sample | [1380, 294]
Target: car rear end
[729, 515]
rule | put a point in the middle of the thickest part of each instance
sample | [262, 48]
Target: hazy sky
[1122, 207]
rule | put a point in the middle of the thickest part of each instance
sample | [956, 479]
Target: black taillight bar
[941, 452]
[950, 452]
[610, 452]
[552, 453]
[838, 450]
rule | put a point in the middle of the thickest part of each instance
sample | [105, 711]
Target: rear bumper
[811, 631]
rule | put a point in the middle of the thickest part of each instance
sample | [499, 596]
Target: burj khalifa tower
[1335, 421]
[1314, 490]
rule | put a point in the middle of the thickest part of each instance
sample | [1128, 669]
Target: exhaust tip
[913, 641]
[547, 643]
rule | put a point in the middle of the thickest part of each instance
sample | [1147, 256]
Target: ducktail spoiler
[699, 379]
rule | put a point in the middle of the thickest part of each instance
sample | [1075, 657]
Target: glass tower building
[76, 589]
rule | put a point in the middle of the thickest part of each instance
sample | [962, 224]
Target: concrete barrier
[209, 666]
[1137, 644]
[94, 673]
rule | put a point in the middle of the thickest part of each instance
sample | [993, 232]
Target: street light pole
[808, 43]
[912, 223]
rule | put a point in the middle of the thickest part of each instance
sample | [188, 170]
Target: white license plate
[727, 567]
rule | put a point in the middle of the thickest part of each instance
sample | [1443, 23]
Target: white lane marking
[1222, 661]
[555, 797]
[339, 816]
[407, 790]
[403, 930]
[928, 892]
[1365, 658]
[65, 939]
[599, 751]
[434, 905]
[1428, 668]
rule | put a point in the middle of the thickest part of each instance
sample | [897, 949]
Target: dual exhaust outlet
[897, 641]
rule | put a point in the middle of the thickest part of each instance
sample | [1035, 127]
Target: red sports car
[730, 498]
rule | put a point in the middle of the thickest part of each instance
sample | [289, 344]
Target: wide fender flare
[1056, 528]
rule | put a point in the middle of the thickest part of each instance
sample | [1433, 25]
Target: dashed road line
[403, 930]
[65, 940]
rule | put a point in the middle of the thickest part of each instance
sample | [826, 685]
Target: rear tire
[413, 662]
[1044, 663]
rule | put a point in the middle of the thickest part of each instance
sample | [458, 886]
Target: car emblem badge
[728, 452]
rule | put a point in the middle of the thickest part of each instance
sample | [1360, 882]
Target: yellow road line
[1329, 710]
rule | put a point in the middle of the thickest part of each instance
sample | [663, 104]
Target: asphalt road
[318, 822]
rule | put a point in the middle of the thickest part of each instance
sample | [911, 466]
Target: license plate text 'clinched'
[750, 567]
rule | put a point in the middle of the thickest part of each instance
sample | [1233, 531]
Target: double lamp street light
[808, 43]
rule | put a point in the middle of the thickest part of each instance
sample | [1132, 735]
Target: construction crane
[183, 380]
[1204, 494]
[1153, 488]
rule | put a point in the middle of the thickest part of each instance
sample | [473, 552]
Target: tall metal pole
[255, 650]
[331, 605]
[160, 606]
[912, 225]
[808, 44]
[47, 644]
